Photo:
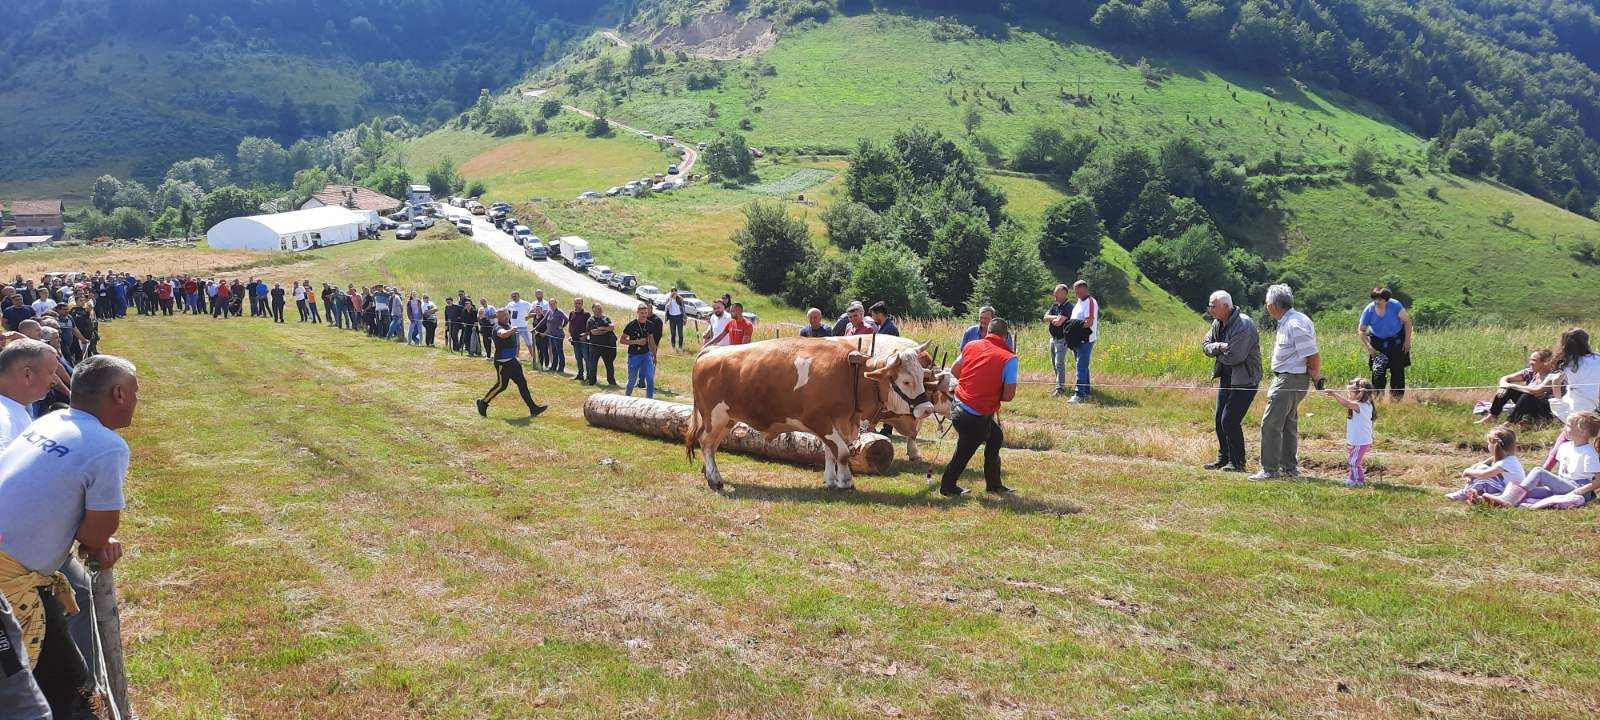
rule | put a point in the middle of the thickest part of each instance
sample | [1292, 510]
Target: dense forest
[158, 80]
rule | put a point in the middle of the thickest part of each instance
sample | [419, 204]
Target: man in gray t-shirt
[60, 482]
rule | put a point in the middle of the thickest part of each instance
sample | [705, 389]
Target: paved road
[556, 275]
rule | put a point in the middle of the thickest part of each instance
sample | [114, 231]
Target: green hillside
[869, 75]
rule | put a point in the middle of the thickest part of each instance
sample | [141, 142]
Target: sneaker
[956, 492]
[1458, 495]
[1218, 465]
[1075, 399]
[1000, 490]
[1265, 475]
[537, 409]
[1291, 472]
[1058, 392]
[1354, 483]
[483, 407]
[1233, 468]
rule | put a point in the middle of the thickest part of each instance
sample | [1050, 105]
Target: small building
[23, 242]
[419, 194]
[294, 230]
[38, 217]
[354, 197]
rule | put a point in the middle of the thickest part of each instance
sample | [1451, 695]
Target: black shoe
[1218, 465]
[956, 492]
[483, 407]
[1000, 490]
[534, 412]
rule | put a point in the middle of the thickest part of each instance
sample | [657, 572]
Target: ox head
[904, 375]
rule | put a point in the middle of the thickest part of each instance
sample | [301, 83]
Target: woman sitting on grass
[1574, 482]
[1500, 471]
[1528, 391]
[1580, 372]
[1359, 414]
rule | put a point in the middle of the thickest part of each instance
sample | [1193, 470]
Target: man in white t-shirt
[520, 310]
[540, 302]
[43, 305]
[60, 482]
[26, 369]
[717, 326]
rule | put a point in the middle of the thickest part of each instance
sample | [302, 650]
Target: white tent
[295, 230]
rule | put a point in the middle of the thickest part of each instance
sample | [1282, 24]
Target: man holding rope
[60, 481]
[1235, 345]
[507, 366]
[987, 374]
[1296, 367]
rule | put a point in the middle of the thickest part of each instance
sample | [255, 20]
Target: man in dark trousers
[277, 302]
[986, 373]
[602, 346]
[507, 367]
[452, 322]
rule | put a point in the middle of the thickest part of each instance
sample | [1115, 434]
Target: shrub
[1012, 278]
[889, 271]
[1190, 266]
[1071, 234]
[769, 244]
[852, 225]
[818, 284]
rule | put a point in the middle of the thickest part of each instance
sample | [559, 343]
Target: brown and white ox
[801, 384]
[938, 384]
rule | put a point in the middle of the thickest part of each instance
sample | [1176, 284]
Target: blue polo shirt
[1388, 324]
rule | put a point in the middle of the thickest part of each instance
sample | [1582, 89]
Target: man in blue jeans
[1074, 327]
[1056, 317]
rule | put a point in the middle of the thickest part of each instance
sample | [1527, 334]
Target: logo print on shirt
[46, 445]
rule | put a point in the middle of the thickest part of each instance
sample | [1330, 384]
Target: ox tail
[692, 437]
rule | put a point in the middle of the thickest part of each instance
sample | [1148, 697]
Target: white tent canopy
[295, 230]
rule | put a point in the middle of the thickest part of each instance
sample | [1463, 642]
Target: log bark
[670, 421]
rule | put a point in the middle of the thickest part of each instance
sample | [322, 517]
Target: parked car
[554, 248]
[477, 208]
[623, 282]
[695, 306]
[501, 206]
[752, 317]
[507, 223]
[458, 202]
[660, 187]
[614, 191]
[668, 138]
[464, 227]
[756, 152]
[422, 222]
[650, 294]
[388, 222]
[600, 272]
[590, 195]
[700, 146]
[406, 231]
[672, 169]
[535, 251]
[524, 236]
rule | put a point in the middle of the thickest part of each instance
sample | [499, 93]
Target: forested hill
[1510, 87]
[129, 86]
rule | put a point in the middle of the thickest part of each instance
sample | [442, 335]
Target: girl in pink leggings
[1359, 414]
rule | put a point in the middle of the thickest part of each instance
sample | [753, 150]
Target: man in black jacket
[452, 319]
[1236, 346]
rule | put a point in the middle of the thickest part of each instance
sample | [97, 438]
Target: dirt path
[614, 37]
[690, 154]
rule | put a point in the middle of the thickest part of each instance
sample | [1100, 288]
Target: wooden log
[108, 620]
[873, 454]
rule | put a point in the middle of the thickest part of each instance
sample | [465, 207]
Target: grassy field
[557, 165]
[391, 554]
[866, 76]
[1452, 248]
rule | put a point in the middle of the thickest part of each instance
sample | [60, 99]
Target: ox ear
[886, 370]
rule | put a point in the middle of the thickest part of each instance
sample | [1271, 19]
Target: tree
[912, 220]
[873, 177]
[769, 244]
[890, 272]
[852, 225]
[1470, 153]
[819, 284]
[168, 224]
[206, 173]
[1190, 266]
[133, 195]
[478, 116]
[971, 119]
[1071, 235]
[261, 161]
[505, 121]
[290, 121]
[638, 57]
[176, 193]
[549, 109]
[1115, 184]
[1012, 278]
[598, 127]
[1151, 214]
[949, 269]
[442, 179]
[228, 201]
[105, 192]
[1514, 162]
[388, 178]
[308, 182]
[476, 188]
[1364, 163]
[1038, 149]
[729, 156]
[1185, 165]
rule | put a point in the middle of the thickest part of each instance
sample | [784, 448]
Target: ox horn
[924, 346]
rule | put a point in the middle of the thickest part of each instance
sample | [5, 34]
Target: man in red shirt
[986, 372]
[740, 329]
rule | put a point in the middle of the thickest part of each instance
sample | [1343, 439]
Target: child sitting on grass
[1574, 482]
[1359, 414]
[1500, 471]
